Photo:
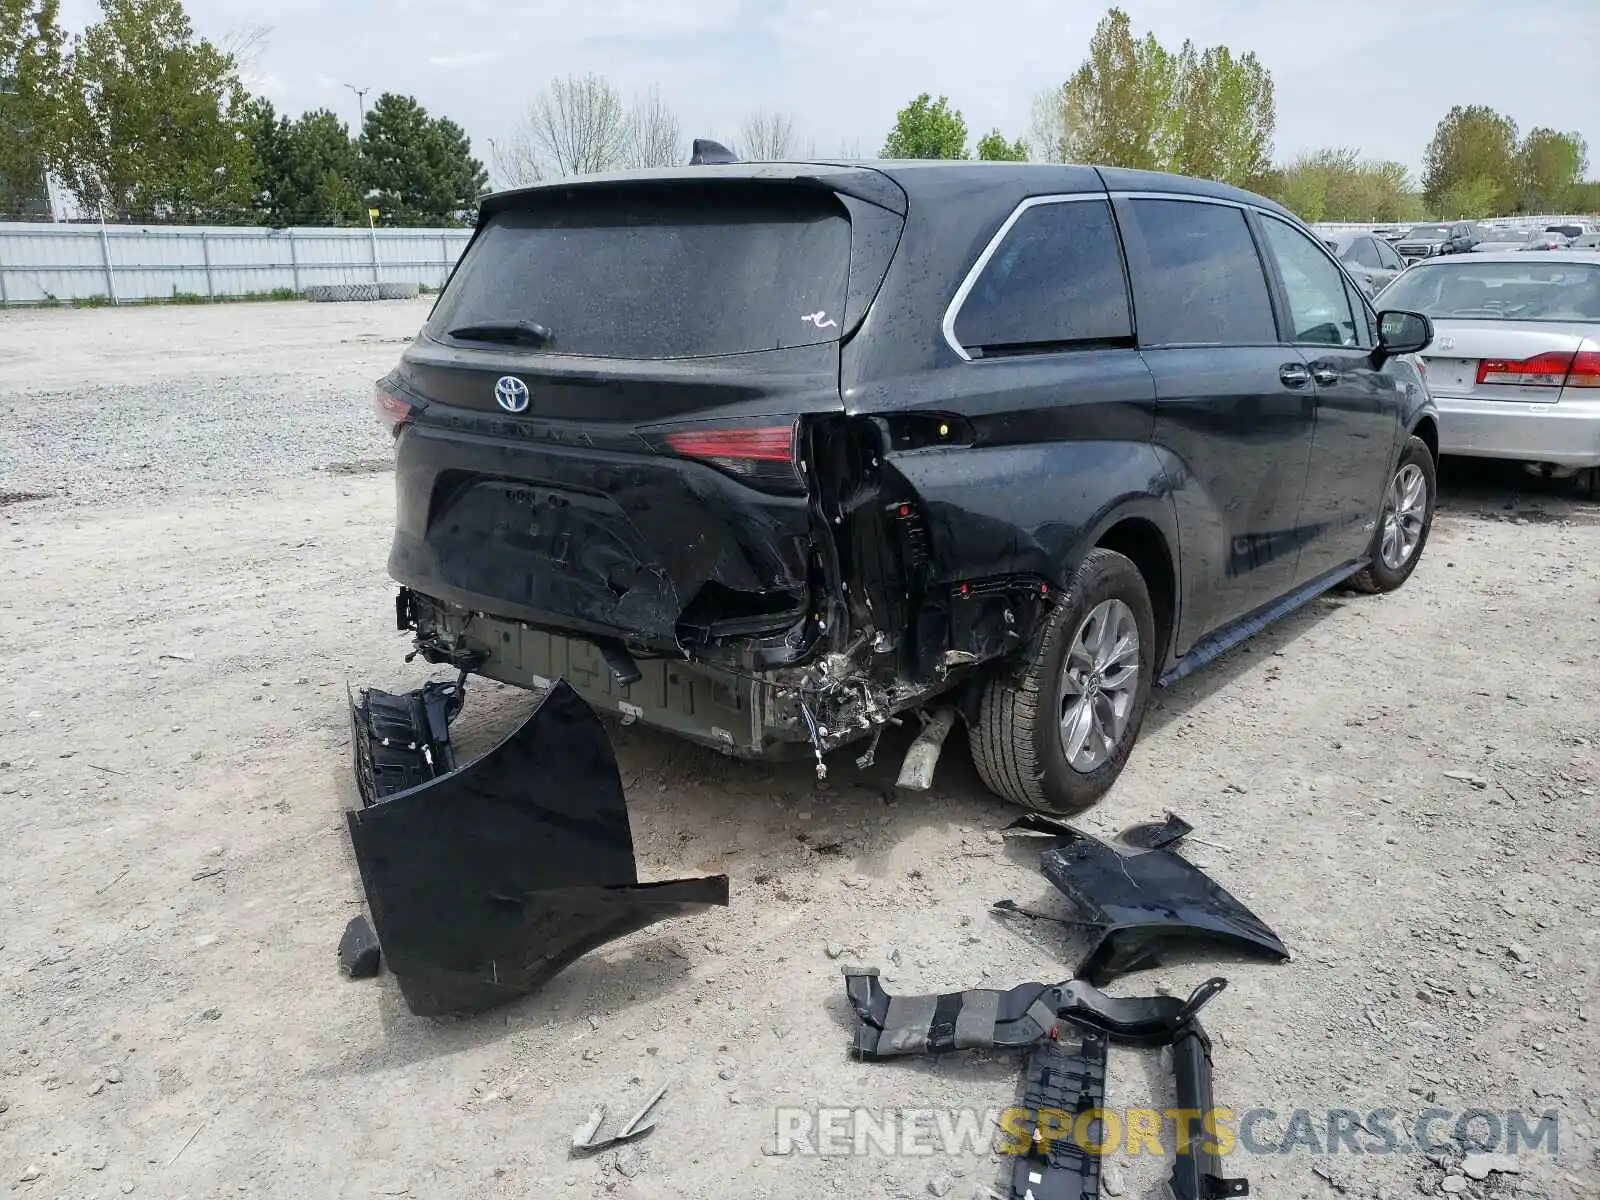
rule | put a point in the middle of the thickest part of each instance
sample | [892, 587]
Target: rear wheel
[1405, 523]
[1053, 733]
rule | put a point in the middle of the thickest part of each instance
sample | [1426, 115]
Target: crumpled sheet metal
[1140, 898]
[488, 880]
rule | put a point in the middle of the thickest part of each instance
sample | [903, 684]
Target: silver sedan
[1515, 359]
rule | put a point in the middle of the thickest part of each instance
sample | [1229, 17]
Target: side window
[1388, 257]
[1203, 282]
[1364, 253]
[1055, 281]
[1319, 308]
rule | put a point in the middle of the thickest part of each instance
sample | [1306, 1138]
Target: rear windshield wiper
[528, 333]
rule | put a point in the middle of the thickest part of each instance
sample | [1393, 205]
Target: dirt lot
[202, 570]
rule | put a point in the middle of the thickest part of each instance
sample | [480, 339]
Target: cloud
[468, 58]
[1369, 74]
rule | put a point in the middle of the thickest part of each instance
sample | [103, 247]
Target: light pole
[361, 104]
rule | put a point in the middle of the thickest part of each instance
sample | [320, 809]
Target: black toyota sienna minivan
[772, 455]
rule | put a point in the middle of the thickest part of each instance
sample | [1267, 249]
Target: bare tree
[767, 137]
[516, 162]
[1048, 132]
[575, 126]
[245, 46]
[654, 138]
[850, 150]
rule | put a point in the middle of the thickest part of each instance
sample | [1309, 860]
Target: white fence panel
[44, 263]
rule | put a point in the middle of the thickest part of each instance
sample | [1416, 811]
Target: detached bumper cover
[483, 882]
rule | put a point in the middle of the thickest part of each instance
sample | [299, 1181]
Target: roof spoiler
[707, 152]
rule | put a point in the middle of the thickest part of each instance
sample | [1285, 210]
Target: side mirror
[1401, 332]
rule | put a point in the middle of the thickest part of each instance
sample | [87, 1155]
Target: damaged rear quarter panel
[1061, 450]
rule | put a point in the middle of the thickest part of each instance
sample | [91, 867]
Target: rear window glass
[1205, 284]
[688, 275]
[1539, 291]
[1055, 281]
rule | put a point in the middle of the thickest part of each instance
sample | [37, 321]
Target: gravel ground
[1403, 786]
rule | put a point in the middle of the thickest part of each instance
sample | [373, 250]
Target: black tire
[1379, 576]
[1016, 740]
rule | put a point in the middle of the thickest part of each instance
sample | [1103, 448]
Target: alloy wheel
[1099, 683]
[1404, 516]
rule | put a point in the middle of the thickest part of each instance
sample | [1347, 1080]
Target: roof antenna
[708, 152]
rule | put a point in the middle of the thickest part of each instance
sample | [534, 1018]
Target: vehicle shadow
[1489, 489]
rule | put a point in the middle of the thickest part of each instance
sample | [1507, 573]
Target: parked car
[1589, 241]
[1371, 260]
[1570, 229]
[1515, 361]
[1426, 241]
[769, 454]
[1498, 242]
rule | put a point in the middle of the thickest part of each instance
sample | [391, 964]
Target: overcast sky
[1377, 76]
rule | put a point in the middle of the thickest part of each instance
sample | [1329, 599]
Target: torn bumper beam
[485, 880]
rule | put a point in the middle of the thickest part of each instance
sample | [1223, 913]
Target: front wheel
[1405, 522]
[1053, 733]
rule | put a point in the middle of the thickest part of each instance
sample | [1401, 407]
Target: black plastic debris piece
[1140, 898]
[1066, 1028]
[1064, 1078]
[1196, 1167]
[485, 881]
[359, 957]
[1029, 1014]
[401, 742]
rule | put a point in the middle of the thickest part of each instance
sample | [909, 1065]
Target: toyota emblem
[511, 394]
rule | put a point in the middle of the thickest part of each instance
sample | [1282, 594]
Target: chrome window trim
[953, 309]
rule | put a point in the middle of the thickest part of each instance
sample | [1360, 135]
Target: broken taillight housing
[764, 455]
[1554, 368]
[395, 412]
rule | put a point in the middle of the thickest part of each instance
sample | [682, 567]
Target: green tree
[309, 171]
[421, 167]
[1476, 197]
[927, 128]
[1224, 115]
[1550, 163]
[1338, 185]
[993, 147]
[1116, 109]
[1134, 103]
[31, 129]
[156, 119]
[1473, 155]
[1583, 197]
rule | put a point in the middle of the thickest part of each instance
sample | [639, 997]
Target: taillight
[394, 411]
[764, 455]
[1542, 370]
[1585, 371]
